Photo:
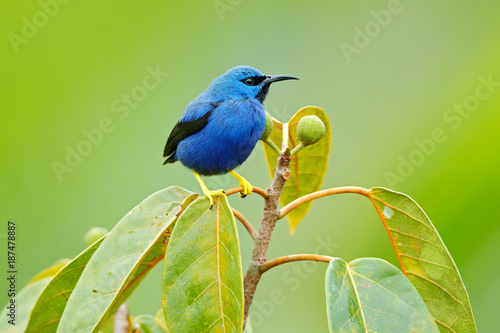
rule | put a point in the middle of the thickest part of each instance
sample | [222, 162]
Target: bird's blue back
[234, 125]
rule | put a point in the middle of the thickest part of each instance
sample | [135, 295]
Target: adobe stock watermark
[121, 108]
[294, 275]
[48, 9]
[372, 29]
[225, 6]
[453, 117]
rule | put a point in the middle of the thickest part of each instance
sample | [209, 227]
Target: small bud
[94, 234]
[310, 130]
[269, 127]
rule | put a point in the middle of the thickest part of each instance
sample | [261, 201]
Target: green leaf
[50, 305]
[425, 260]
[114, 264]
[150, 324]
[371, 295]
[308, 166]
[202, 285]
[51, 271]
[25, 300]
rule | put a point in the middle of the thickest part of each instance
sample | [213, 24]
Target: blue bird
[220, 128]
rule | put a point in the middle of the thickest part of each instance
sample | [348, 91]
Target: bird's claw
[247, 188]
[211, 194]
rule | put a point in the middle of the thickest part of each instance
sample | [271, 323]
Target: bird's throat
[261, 96]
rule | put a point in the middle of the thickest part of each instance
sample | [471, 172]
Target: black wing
[182, 130]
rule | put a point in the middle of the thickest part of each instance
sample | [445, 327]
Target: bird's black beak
[275, 78]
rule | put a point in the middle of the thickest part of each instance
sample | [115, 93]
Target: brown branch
[121, 321]
[294, 257]
[256, 189]
[245, 222]
[306, 198]
[270, 216]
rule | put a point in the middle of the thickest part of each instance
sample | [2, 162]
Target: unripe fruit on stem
[94, 234]
[269, 127]
[310, 130]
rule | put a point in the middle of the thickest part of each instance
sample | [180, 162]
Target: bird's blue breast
[233, 129]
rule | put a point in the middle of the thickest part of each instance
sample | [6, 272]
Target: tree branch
[270, 216]
[336, 190]
[245, 222]
[121, 321]
[294, 257]
[256, 189]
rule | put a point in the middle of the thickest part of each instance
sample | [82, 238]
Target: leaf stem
[294, 257]
[297, 148]
[315, 195]
[245, 223]
[256, 189]
[284, 144]
[271, 144]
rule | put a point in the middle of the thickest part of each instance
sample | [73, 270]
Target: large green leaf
[371, 295]
[308, 166]
[202, 284]
[114, 264]
[50, 305]
[25, 300]
[425, 260]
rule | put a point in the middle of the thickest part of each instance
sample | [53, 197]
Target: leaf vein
[438, 285]
[444, 325]
[194, 301]
[413, 236]
[58, 294]
[397, 296]
[215, 321]
[403, 212]
[236, 298]
[429, 262]
[187, 268]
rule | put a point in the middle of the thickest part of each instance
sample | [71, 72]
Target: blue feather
[220, 128]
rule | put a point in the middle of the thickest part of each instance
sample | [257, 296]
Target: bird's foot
[211, 194]
[247, 187]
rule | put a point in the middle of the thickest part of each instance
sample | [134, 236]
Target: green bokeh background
[396, 90]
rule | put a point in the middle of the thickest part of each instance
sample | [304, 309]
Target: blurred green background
[75, 67]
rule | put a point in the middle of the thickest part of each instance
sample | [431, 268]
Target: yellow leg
[247, 187]
[209, 194]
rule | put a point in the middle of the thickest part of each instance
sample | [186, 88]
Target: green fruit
[310, 130]
[269, 127]
[94, 234]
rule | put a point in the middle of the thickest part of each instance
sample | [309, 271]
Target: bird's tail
[170, 159]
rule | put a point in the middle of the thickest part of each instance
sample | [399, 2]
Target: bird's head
[245, 82]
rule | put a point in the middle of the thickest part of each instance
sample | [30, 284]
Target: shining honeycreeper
[220, 128]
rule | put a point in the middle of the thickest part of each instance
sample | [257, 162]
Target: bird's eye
[249, 81]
